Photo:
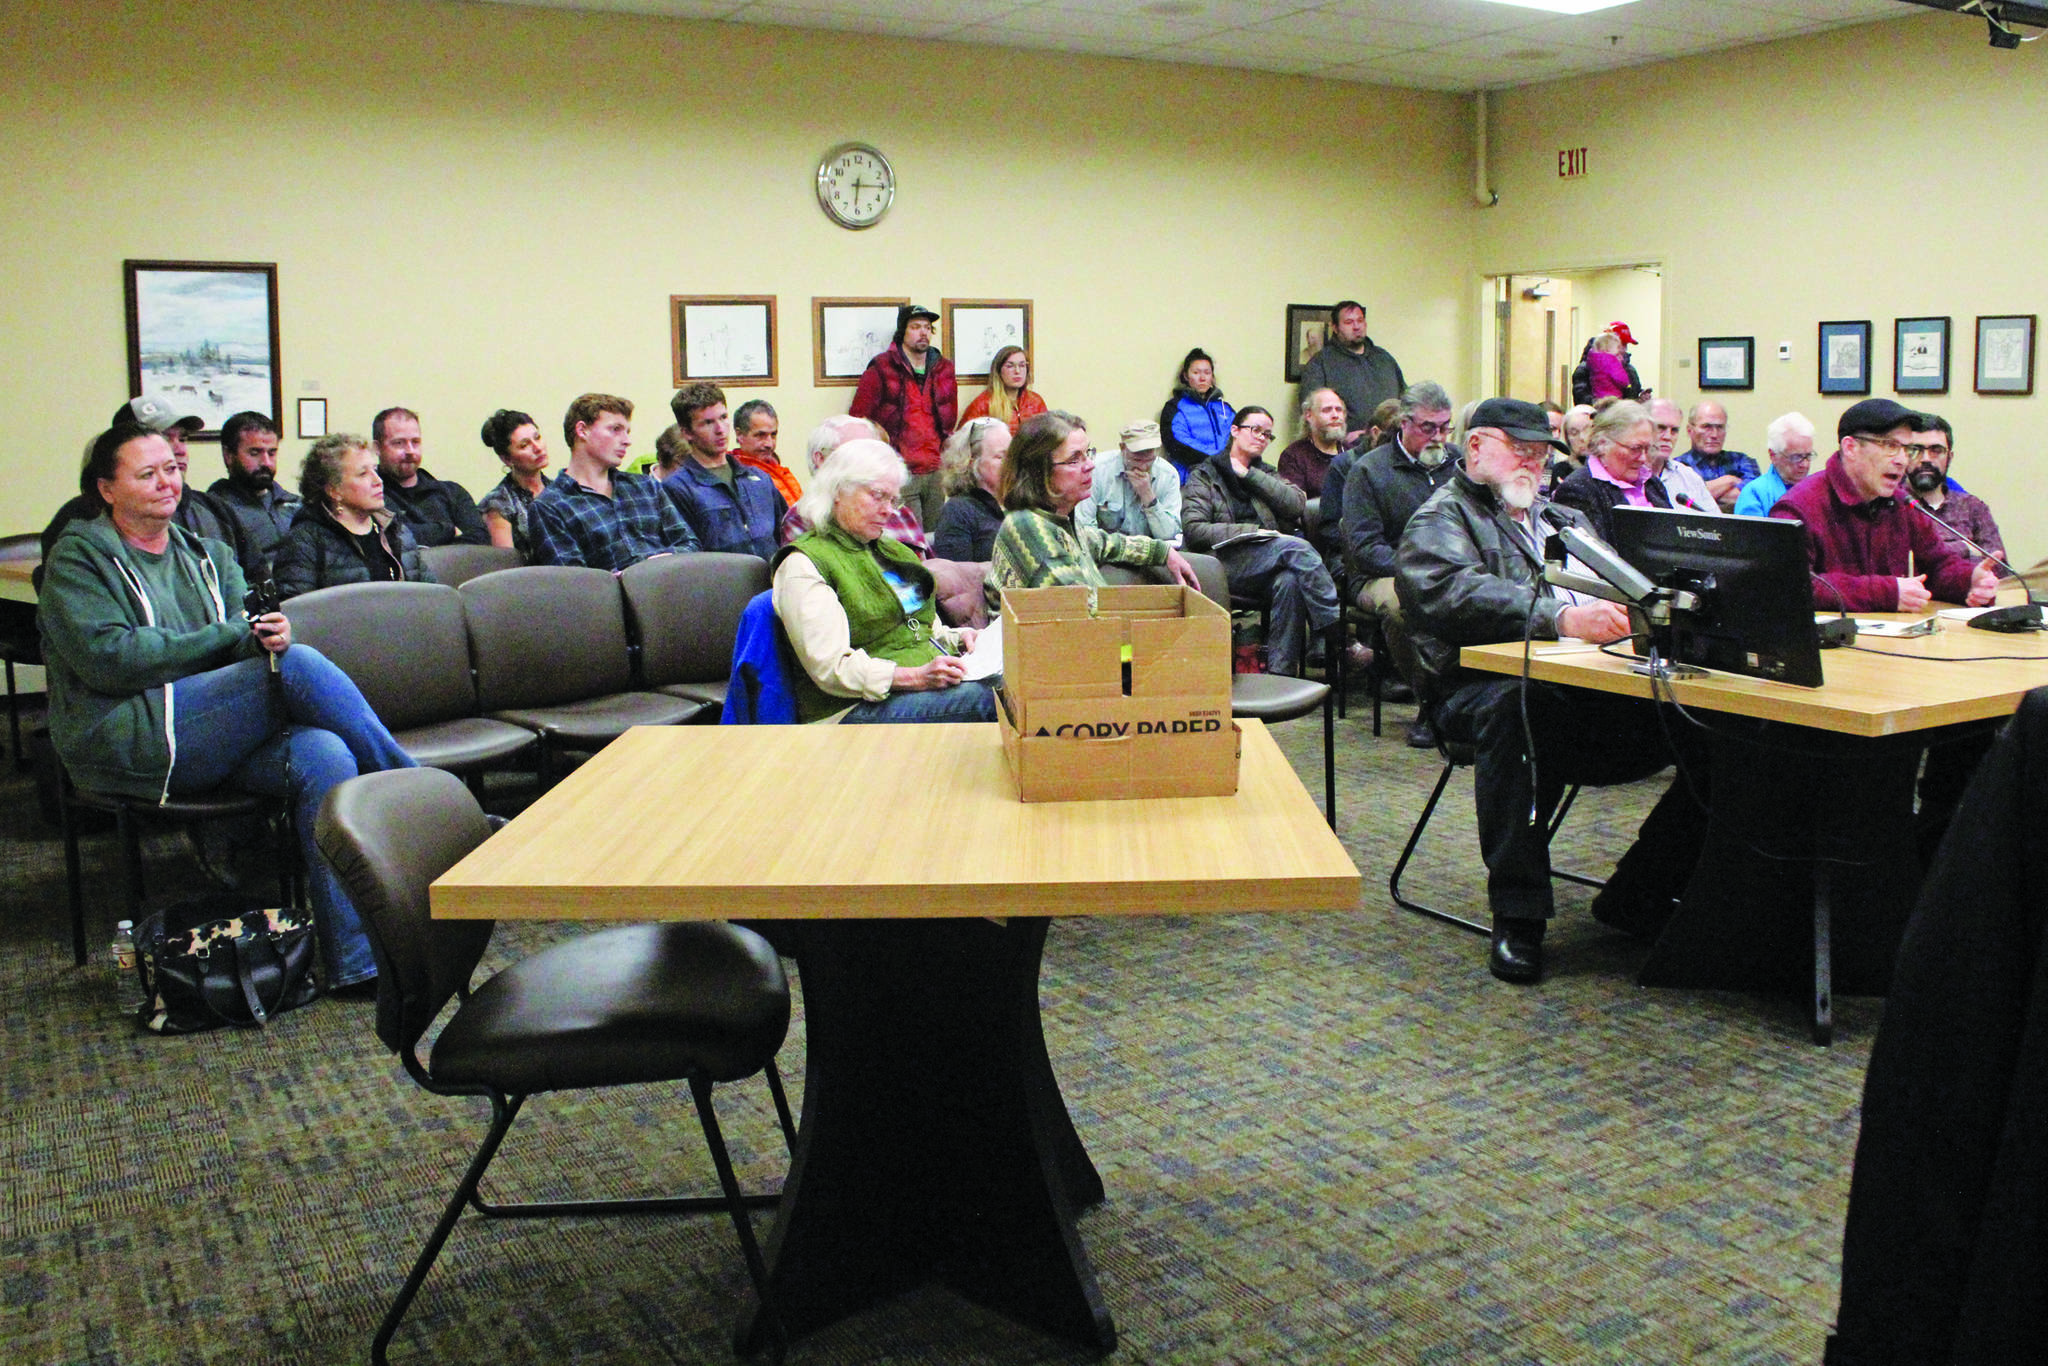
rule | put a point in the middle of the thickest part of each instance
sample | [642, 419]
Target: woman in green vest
[859, 608]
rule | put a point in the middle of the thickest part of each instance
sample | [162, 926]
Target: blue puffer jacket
[1194, 429]
[740, 522]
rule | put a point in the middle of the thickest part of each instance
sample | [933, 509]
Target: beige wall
[1886, 171]
[474, 206]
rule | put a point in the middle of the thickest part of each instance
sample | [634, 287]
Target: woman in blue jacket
[1195, 423]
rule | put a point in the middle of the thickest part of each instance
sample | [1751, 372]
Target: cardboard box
[1072, 732]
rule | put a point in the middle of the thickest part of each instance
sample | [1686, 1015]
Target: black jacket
[1942, 1255]
[1468, 575]
[967, 527]
[1381, 492]
[264, 522]
[321, 553]
[437, 511]
[1598, 499]
[1216, 504]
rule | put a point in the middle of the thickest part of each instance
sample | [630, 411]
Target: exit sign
[1571, 163]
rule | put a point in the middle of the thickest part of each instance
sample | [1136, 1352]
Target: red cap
[1620, 329]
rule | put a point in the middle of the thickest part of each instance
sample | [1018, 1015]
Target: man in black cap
[1870, 549]
[198, 512]
[908, 391]
[1469, 571]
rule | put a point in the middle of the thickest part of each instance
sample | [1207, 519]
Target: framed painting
[722, 338]
[1845, 358]
[202, 336]
[975, 329]
[1920, 355]
[2005, 354]
[1308, 327]
[848, 333]
[1727, 362]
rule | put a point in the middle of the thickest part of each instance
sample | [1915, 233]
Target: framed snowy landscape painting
[202, 335]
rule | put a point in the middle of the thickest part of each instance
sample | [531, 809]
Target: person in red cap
[1596, 379]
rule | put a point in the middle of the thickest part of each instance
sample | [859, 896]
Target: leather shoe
[1420, 736]
[1517, 951]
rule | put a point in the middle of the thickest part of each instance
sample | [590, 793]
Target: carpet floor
[1325, 1138]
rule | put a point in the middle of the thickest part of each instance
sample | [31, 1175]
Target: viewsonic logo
[1691, 533]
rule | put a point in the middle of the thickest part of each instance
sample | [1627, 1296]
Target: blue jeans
[973, 701]
[1288, 576]
[227, 730]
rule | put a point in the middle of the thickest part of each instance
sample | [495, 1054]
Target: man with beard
[1929, 450]
[1307, 459]
[1869, 551]
[261, 507]
[436, 511]
[1363, 373]
[1381, 492]
[1725, 471]
[1470, 572]
[910, 393]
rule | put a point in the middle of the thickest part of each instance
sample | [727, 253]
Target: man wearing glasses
[1789, 443]
[1928, 452]
[1381, 493]
[1235, 508]
[1870, 551]
[1470, 572]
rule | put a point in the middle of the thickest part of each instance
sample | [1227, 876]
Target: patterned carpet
[1326, 1138]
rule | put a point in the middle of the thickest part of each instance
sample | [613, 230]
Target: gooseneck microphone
[2024, 616]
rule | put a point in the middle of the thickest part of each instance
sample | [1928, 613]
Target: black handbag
[221, 960]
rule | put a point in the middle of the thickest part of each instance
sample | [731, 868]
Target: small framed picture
[848, 333]
[202, 335]
[1727, 362]
[1308, 327]
[2005, 354]
[723, 338]
[975, 329]
[1845, 358]
[1920, 355]
[312, 418]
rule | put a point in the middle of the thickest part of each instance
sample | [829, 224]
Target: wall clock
[856, 185]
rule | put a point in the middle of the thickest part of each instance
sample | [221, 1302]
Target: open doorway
[1538, 323]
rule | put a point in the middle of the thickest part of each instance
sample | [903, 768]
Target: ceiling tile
[1458, 16]
[1295, 64]
[1142, 29]
[1314, 49]
[844, 21]
[1373, 31]
[1837, 11]
[1064, 40]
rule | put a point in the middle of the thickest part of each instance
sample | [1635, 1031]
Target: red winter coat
[884, 398]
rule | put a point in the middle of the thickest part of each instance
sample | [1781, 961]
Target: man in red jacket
[1868, 548]
[908, 391]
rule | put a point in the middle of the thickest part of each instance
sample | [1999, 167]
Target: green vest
[874, 614]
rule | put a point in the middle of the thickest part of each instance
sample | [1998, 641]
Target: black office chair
[695, 1001]
[1457, 755]
[20, 640]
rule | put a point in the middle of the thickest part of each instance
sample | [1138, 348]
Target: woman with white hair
[1619, 446]
[860, 609]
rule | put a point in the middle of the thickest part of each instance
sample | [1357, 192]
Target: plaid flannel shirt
[570, 524]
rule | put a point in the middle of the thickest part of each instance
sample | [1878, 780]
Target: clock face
[856, 185]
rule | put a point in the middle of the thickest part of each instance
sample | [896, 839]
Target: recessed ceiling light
[1563, 6]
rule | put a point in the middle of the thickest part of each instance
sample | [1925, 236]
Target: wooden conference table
[1813, 792]
[913, 888]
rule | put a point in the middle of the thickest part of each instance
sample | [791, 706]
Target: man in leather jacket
[1469, 571]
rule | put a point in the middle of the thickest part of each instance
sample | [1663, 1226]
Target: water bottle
[127, 982]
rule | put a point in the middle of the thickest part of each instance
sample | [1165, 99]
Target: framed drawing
[1845, 358]
[978, 328]
[2005, 354]
[202, 335]
[1727, 362]
[848, 333]
[1308, 326]
[723, 338]
[1920, 355]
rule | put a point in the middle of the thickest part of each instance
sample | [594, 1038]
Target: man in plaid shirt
[593, 513]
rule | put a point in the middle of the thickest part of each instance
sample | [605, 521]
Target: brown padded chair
[694, 1001]
[406, 647]
[549, 646]
[457, 564]
[685, 613]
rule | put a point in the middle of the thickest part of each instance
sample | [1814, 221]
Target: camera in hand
[261, 600]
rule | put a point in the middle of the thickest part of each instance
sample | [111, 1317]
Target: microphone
[2020, 617]
[1840, 631]
[1683, 498]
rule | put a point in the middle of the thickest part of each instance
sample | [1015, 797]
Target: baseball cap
[1513, 417]
[157, 415]
[1620, 329]
[912, 312]
[1873, 417]
[1140, 436]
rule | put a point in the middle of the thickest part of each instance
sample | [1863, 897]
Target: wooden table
[897, 865]
[1829, 771]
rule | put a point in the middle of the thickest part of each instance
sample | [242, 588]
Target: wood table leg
[934, 1143]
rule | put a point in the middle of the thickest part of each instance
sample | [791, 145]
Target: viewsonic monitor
[1755, 613]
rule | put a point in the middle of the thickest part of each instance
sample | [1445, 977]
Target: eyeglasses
[1881, 443]
[1427, 428]
[1920, 452]
[1802, 458]
[1263, 433]
[1641, 450]
[1528, 452]
[882, 498]
[1086, 457]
